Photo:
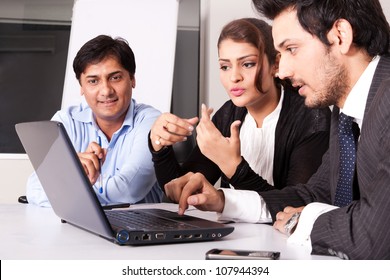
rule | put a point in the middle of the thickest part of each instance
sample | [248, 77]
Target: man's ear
[341, 35]
[81, 88]
[275, 67]
[133, 83]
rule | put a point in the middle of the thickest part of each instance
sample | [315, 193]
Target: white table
[30, 232]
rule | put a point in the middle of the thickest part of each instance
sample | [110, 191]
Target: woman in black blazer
[295, 142]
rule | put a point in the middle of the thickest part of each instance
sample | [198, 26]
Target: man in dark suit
[336, 52]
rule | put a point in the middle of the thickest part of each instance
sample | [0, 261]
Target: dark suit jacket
[362, 229]
[301, 139]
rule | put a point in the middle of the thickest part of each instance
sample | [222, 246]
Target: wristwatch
[289, 227]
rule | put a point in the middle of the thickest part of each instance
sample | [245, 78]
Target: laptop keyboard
[143, 220]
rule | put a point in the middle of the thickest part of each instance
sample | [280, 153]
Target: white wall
[14, 173]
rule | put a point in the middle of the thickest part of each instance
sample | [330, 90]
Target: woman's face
[238, 67]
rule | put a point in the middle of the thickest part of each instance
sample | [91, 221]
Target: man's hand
[194, 189]
[90, 161]
[169, 129]
[282, 218]
[216, 147]
[174, 188]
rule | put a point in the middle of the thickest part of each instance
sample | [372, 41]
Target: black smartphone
[113, 206]
[227, 254]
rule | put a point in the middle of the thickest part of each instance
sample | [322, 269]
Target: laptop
[74, 201]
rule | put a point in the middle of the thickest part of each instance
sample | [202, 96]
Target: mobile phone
[116, 205]
[228, 254]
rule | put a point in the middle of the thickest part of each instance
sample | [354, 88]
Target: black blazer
[362, 229]
[301, 139]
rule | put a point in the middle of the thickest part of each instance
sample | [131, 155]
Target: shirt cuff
[309, 215]
[244, 206]
[35, 193]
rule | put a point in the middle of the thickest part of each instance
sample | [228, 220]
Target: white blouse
[258, 144]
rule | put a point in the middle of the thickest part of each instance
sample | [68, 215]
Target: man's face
[311, 66]
[107, 88]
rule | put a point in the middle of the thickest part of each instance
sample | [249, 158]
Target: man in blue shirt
[120, 166]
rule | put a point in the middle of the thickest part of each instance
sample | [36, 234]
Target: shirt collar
[86, 115]
[274, 115]
[355, 104]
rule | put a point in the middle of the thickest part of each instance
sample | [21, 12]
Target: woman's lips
[237, 91]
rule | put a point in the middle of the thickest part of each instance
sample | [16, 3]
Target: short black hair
[370, 28]
[100, 47]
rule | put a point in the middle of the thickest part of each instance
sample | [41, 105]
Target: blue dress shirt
[128, 172]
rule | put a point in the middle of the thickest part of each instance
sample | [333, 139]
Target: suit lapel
[334, 152]
[369, 130]
[382, 72]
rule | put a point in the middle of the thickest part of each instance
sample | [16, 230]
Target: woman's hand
[223, 151]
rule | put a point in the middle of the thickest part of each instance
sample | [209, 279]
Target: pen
[99, 141]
